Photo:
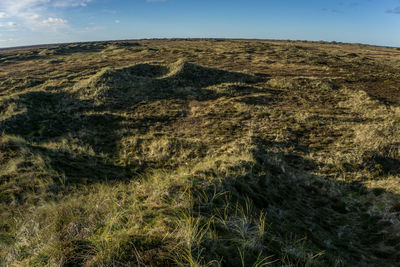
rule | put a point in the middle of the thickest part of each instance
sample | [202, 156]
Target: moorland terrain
[200, 153]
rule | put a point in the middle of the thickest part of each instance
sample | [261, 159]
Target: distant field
[200, 153]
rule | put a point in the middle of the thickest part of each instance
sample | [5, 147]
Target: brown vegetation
[200, 152]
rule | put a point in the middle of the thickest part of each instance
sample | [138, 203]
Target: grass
[199, 153]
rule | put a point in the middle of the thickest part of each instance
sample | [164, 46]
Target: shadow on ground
[311, 219]
[307, 214]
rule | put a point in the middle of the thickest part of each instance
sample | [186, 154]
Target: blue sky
[26, 22]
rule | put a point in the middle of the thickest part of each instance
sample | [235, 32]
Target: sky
[29, 22]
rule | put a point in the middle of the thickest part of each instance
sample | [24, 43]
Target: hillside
[200, 153]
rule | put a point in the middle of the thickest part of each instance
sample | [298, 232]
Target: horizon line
[191, 38]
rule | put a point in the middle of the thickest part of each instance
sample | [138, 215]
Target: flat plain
[206, 152]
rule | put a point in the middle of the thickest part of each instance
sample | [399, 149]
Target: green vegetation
[200, 153]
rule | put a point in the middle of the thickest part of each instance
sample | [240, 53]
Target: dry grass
[200, 153]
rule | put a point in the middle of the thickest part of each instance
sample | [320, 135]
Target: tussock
[145, 80]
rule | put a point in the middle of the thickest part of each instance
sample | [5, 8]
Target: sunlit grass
[200, 153]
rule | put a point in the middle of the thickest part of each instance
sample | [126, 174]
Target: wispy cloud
[71, 3]
[395, 10]
[331, 10]
[55, 22]
[109, 11]
[3, 15]
[35, 14]
[93, 28]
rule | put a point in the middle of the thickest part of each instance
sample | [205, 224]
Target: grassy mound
[146, 80]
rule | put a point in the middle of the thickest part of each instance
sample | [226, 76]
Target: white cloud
[35, 14]
[117, 21]
[93, 28]
[3, 15]
[55, 22]
[15, 8]
[71, 3]
[6, 41]
[10, 26]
